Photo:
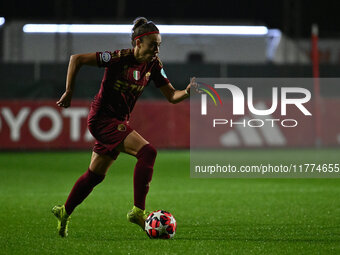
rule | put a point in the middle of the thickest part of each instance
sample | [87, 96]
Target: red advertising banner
[43, 125]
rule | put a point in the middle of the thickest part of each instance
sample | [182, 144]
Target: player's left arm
[175, 96]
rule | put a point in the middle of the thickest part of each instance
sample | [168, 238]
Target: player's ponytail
[141, 27]
[138, 22]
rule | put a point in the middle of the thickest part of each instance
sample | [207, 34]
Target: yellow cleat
[137, 216]
[63, 219]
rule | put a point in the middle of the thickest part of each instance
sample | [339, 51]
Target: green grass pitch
[214, 216]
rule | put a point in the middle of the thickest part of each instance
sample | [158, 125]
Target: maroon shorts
[109, 133]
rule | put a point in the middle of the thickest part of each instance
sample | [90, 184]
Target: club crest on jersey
[136, 75]
[121, 127]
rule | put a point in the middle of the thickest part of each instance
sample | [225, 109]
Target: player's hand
[193, 84]
[65, 100]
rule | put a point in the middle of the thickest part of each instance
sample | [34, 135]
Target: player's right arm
[76, 62]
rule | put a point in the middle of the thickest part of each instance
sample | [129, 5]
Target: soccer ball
[160, 224]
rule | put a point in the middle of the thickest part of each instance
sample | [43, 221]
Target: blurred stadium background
[215, 216]
[33, 64]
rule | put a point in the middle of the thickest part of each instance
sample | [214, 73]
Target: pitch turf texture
[215, 216]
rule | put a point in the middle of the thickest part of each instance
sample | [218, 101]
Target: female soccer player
[127, 73]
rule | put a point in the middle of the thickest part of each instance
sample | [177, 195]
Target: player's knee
[152, 152]
[147, 152]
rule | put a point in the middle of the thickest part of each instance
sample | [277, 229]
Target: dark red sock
[143, 174]
[81, 189]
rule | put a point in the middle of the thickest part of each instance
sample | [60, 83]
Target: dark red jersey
[123, 82]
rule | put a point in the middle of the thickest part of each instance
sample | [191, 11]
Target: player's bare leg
[134, 144]
[94, 175]
[100, 164]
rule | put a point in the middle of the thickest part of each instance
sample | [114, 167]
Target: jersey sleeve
[158, 75]
[107, 58]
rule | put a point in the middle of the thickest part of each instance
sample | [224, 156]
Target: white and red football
[160, 224]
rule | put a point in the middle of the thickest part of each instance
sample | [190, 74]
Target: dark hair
[141, 26]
